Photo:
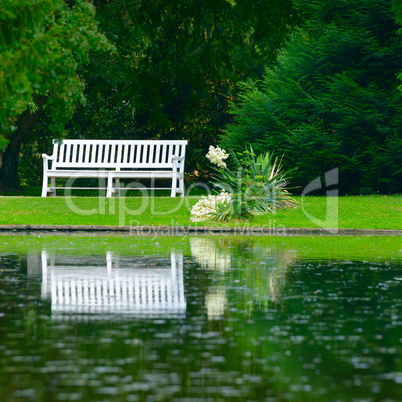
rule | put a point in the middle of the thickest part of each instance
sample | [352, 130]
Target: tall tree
[398, 16]
[332, 100]
[42, 44]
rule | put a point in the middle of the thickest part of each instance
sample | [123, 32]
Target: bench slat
[112, 154]
[93, 153]
[125, 153]
[138, 152]
[68, 152]
[74, 158]
[61, 156]
[151, 153]
[87, 149]
[131, 157]
[80, 153]
[106, 153]
[157, 153]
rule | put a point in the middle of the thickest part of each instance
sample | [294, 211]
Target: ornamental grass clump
[256, 185]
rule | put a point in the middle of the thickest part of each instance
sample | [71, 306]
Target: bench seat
[112, 160]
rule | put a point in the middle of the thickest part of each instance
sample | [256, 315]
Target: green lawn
[360, 212]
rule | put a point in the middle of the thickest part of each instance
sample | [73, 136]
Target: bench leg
[174, 186]
[177, 187]
[181, 187]
[53, 184]
[44, 186]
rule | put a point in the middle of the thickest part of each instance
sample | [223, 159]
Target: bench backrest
[117, 154]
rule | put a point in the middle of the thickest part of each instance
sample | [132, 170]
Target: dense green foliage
[332, 99]
[42, 45]
[174, 72]
[398, 16]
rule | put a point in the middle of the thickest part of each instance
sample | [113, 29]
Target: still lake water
[200, 318]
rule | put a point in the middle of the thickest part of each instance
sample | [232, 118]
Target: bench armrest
[44, 156]
[47, 158]
[178, 164]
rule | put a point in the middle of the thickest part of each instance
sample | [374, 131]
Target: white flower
[216, 156]
[206, 206]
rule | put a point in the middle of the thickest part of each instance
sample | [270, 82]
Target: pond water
[200, 318]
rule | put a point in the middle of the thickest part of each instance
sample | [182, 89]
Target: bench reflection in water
[136, 285]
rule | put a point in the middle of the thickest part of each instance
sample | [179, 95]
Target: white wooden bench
[112, 160]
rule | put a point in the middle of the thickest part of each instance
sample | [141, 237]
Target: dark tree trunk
[9, 168]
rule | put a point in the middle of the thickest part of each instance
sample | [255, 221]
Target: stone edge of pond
[199, 230]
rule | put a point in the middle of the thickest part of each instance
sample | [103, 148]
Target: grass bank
[360, 212]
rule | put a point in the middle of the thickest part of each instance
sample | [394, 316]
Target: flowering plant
[216, 156]
[207, 207]
[257, 186]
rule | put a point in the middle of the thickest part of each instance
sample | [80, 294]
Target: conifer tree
[398, 17]
[332, 99]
